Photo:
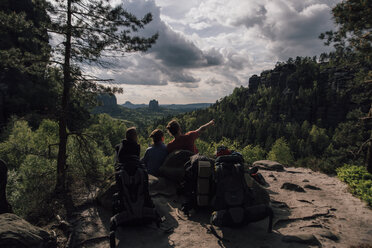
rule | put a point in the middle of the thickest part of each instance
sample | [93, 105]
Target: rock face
[153, 105]
[107, 100]
[18, 233]
[173, 166]
[104, 196]
[269, 165]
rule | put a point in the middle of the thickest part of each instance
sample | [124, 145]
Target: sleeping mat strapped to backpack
[199, 184]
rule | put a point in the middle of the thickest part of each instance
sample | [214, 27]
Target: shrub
[209, 149]
[253, 153]
[32, 157]
[359, 181]
[281, 152]
[30, 188]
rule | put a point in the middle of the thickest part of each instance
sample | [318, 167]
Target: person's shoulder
[192, 133]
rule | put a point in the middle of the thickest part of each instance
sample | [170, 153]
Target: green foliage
[359, 181]
[253, 153]
[32, 158]
[319, 140]
[352, 39]
[142, 118]
[107, 132]
[281, 152]
[210, 148]
[24, 54]
[31, 186]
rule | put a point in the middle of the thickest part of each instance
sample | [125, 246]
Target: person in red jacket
[184, 141]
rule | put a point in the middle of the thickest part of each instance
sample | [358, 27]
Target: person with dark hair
[4, 205]
[155, 154]
[129, 146]
[184, 141]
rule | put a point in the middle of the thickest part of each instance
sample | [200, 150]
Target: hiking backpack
[132, 204]
[234, 200]
[198, 182]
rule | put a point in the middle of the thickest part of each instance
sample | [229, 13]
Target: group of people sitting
[156, 154]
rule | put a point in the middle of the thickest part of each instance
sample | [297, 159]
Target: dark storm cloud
[171, 48]
[214, 57]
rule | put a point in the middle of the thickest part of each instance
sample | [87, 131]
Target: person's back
[156, 154]
[184, 141]
[129, 146]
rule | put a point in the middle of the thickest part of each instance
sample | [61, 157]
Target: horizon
[206, 49]
[165, 103]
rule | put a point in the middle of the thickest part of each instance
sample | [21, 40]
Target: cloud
[170, 61]
[208, 47]
[213, 81]
[290, 28]
[251, 20]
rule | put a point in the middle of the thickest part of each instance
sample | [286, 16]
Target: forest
[307, 111]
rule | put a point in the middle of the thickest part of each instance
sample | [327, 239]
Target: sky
[206, 48]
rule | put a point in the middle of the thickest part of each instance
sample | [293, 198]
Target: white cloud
[206, 48]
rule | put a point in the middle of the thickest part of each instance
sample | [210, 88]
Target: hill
[130, 105]
[182, 107]
[314, 106]
[140, 115]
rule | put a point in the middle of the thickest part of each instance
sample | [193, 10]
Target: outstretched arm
[205, 126]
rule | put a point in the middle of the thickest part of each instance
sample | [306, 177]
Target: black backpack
[234, 200]
[132, 205]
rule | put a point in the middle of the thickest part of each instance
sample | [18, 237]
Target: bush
[359, 181]
[281, 152]
[253, 153]
[32, 158]
[31, 187]
[209, 149]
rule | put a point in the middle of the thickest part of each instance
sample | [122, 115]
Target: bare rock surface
[16, 232]
[269, 165]
[292, 186]
[330, 217]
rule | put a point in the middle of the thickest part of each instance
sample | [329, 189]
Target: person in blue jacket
[155, 154]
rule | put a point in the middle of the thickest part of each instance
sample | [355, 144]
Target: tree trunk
[62, 157]
[369, 157]
[4, 205]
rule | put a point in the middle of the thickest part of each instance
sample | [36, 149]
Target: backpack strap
[212, 229]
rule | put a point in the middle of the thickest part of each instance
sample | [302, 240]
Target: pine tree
[91, 30]
[24, 53]
[353, 39]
